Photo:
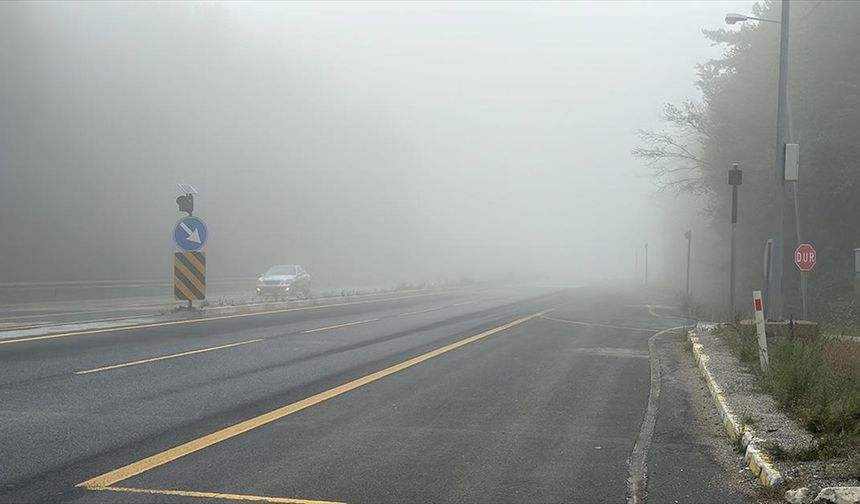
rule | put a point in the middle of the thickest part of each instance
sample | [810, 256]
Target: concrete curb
[237, 309]
[757, 461]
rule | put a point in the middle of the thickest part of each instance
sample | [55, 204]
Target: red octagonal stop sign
[804, 257]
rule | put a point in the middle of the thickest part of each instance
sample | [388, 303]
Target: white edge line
[421, 311]
[338, 326]
[577, 322]
[165, 357]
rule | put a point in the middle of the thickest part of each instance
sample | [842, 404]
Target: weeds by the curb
[815, 380]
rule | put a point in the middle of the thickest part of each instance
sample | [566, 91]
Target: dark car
[284, 280]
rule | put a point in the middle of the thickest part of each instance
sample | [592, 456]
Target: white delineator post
[760, 330]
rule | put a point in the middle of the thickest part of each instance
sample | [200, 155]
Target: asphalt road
[481, 395]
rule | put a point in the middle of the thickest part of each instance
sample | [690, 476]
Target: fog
[373, 143]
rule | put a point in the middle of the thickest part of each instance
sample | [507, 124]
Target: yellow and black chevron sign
[189, 275]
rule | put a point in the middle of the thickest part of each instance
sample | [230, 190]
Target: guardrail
[29, 292]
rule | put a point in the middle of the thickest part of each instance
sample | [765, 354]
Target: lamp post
[775, 300]
[736, 177]
[689, 236]
[646, 265]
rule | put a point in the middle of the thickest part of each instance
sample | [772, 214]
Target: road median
[181, 316]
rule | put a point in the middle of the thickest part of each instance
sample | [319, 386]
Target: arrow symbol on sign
[193, 236]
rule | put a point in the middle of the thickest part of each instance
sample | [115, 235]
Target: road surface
[495, 395]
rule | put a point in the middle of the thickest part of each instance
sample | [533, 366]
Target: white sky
[502, 101]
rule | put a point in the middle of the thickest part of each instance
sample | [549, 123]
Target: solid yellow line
[165, 357]
[338, 326]
[153, 461]
[215, 495]
[207, 319]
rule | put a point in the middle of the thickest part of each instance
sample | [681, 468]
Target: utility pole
[689, 236]
[636, 266]
[646, 265]
[792, 175]
[735, 179]
[775, 302]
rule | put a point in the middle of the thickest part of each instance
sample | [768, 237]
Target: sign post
[804, 258]
[760, 331]
[189, 266]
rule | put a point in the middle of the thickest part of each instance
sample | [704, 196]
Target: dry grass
[816, 380]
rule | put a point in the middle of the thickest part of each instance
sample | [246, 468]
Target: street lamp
[733, 18]
[775, 288]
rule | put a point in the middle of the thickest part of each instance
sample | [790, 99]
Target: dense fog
[374, 143]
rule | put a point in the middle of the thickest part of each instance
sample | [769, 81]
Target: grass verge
[815, 380]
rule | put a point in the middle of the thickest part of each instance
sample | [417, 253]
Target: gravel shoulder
[759, 413]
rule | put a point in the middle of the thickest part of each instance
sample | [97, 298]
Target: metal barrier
[30, 292]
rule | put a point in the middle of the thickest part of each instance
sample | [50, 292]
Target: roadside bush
[816, 380]
[744, 347]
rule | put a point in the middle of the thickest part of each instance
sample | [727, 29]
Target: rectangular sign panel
[189, 276]
[792, 162]
[760, 330]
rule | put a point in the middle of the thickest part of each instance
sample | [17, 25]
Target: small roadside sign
[190, 234]
[758, 305]
[804, 257]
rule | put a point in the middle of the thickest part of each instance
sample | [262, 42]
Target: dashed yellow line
[159, 459]
[338, 326]
[165, 357]
[215, 495]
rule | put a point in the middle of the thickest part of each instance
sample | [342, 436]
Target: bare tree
[674, 154]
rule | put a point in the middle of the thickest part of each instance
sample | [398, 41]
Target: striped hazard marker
[189, 276]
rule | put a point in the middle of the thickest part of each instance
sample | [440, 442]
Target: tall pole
[735, 179]
[636, 266]
[646, 265]
[732, 287]
[776, 298]
[689, 236]
[799, 241]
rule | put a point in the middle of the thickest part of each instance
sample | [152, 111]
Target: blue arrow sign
[190, 234]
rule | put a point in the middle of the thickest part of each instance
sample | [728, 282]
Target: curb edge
[757, 461]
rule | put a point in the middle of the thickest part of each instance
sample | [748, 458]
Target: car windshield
[281, 270]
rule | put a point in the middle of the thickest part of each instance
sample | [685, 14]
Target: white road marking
[464, 303]
[165, 357]
[610, 326]
[420, 311]
[339, 326]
